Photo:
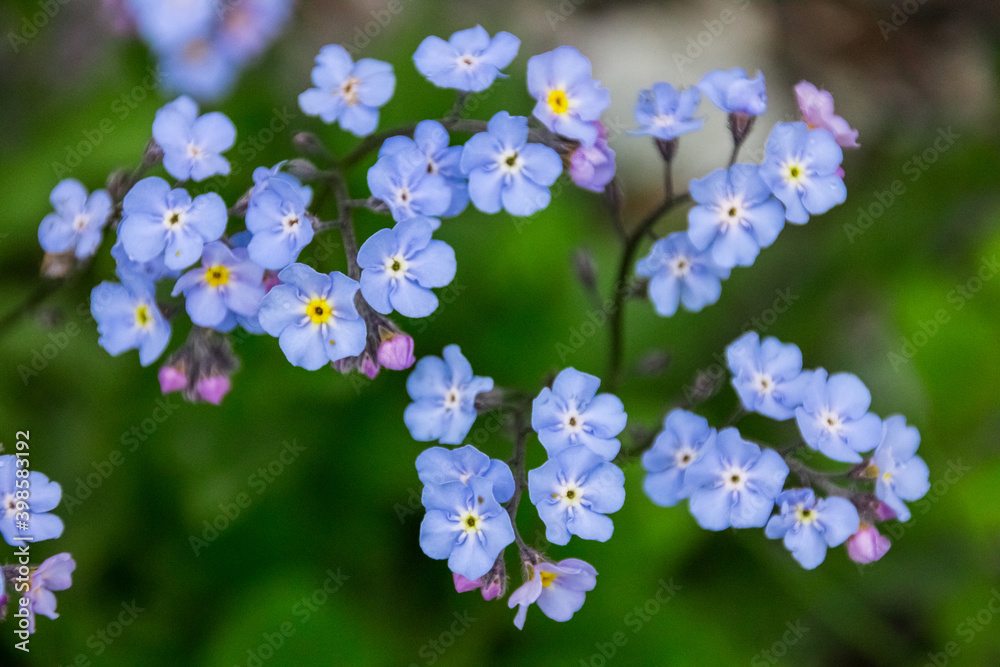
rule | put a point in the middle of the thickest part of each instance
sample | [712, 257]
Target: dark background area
[344, 513]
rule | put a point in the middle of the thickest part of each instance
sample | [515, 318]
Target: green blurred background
[324, 561]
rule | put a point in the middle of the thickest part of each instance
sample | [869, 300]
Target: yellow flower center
[558, 101]
[319, 311]
[548, 578]
[143, 318]
[803, 515]
[216, 276]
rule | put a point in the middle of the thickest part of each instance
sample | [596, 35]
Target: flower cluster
[26, 500]
[202, 45]
[733, 482]
[247, 266]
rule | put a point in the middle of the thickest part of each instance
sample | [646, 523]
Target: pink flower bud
[213, 389]
[867, 545]
[593, 168]
[494, 588]
[369, 367]
[171, 379]
[817, 111]
[463, 585]
[883, 512]
[396, 352]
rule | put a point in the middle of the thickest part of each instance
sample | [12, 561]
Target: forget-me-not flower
[569, 99]
[809, 526]
[800, 166]
[734, 91]
[666, 113]
[681, 274]
[470, 60]
[899, 473]
[276, 216]
[192, 144]
[834, 417]
[558, 588]
[444, 396]
[157, 220]
[736, 215]
[30, 518]
[432, 140]
[685, 436]
[410, 189]
[54, 574]
[348, 92]
[572, 413]
[439, 465]
[78, 222]
[505, 171]
[313, 316]
[228, 284]
[128, 317]
[767, 375]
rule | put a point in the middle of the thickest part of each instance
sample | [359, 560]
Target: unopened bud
[302, 169]
[585, 268]
[867, 545]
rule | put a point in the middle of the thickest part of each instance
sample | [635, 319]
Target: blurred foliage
[344, 513]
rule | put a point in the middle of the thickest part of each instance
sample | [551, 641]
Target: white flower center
[9, 504]
[452, 399]
[732, 212]
[396, 266]
[570, 494]
[805, 515]
[174, 218]
[290, 223]
[194, 151]
[467, 61]
[795, 173]
[573, 422]
[734, 479]
[680, 266]
[349, 91]
[684, 457]
[510, 162]
[764, 383]
[403, 196]
[830, 422]
[470, 522]
[80, 221]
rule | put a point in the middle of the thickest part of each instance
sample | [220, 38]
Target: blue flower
[157, 220]
[78, 223]
[171, 24]
[400, 265]
[734, 92]
[277, 219]
[680, 273]
[468, 61]
[685, 436]
[432, 139]
[900, 473]
[735, 483]
[834, 417]
[54, 574]
[506, 171]
[128, 318]
[444, 397]
[667, 113]
[263, 177]
[800, 166]
[559, 589]
[465, 524]
[809, 525]
[736, 215]
[348, 92]
[568, 98]
[573, 491]
[201, 68]
[192, 145]
[227, 285]
[768, 375]
[405, 183]
[571, 413]
[33, 511]
[313, 316]
[439, 465]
